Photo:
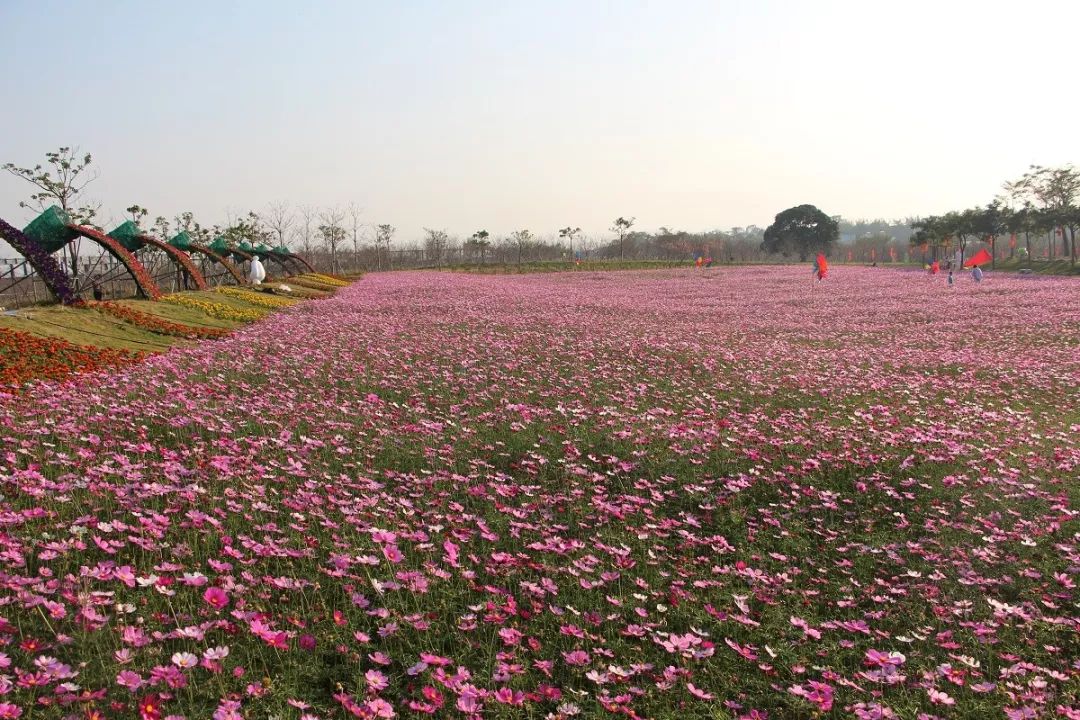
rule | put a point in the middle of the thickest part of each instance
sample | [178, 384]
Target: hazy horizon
[691, 115]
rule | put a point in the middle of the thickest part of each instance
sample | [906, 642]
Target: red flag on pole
[980, 258]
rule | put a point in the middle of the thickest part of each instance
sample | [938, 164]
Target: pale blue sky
[508, 115]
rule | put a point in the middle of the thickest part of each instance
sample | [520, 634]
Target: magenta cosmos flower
[216, 598]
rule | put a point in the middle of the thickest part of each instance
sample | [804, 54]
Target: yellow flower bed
[218, 310]
[325, 279]
[265, 300]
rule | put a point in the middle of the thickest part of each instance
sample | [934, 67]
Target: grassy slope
[84, 326]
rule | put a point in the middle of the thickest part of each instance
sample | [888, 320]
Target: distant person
[257, 273]
[708, 262]
[951, 281]
[99, 295]
[976, 274]
[935, 268]
[821, 267]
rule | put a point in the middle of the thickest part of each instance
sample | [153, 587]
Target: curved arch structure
[146, 285]
[180, 257]
[242, 255]
[279, 261]
[221, 260]
[301, 263]
[133, 239]
[43, 263]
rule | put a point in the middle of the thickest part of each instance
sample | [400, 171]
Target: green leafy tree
[988, 223]
[138, 213]
[801, 230]
[478, 242]
[61, 181]
[1055, 192]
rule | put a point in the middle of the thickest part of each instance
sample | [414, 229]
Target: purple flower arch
[43, 262]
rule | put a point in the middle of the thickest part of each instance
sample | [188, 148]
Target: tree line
[1040, 207]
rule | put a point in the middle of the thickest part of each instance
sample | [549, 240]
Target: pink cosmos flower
[216, 598]
[576, 657]
[380, 708]
[940, 698]
[376, 680]
[128, 679]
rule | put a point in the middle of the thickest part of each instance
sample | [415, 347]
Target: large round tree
[803, 229]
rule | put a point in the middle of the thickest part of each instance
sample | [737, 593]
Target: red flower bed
[26, 357]
[142, 278]
[153, 323]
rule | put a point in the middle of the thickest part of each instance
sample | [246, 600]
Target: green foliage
[60, 182]
[801, 230]
[621, 227]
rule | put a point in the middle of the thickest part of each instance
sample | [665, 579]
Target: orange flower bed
[25, 357]
[153, 323]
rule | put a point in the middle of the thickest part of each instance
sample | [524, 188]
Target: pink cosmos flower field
[730, 493]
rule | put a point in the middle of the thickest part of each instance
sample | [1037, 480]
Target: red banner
[980, 258]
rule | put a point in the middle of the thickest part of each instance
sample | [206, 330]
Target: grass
[176, 313]
[1039, 267]
[92, 328]
[84, 326]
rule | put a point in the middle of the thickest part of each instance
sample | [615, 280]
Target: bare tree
[435, 244]
[279, 218]
[332, 232]
[383, 235]
[308, 215]
[355, 213]
[521, 240]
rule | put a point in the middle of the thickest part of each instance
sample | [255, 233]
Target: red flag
[980, 258]
[823, 266]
